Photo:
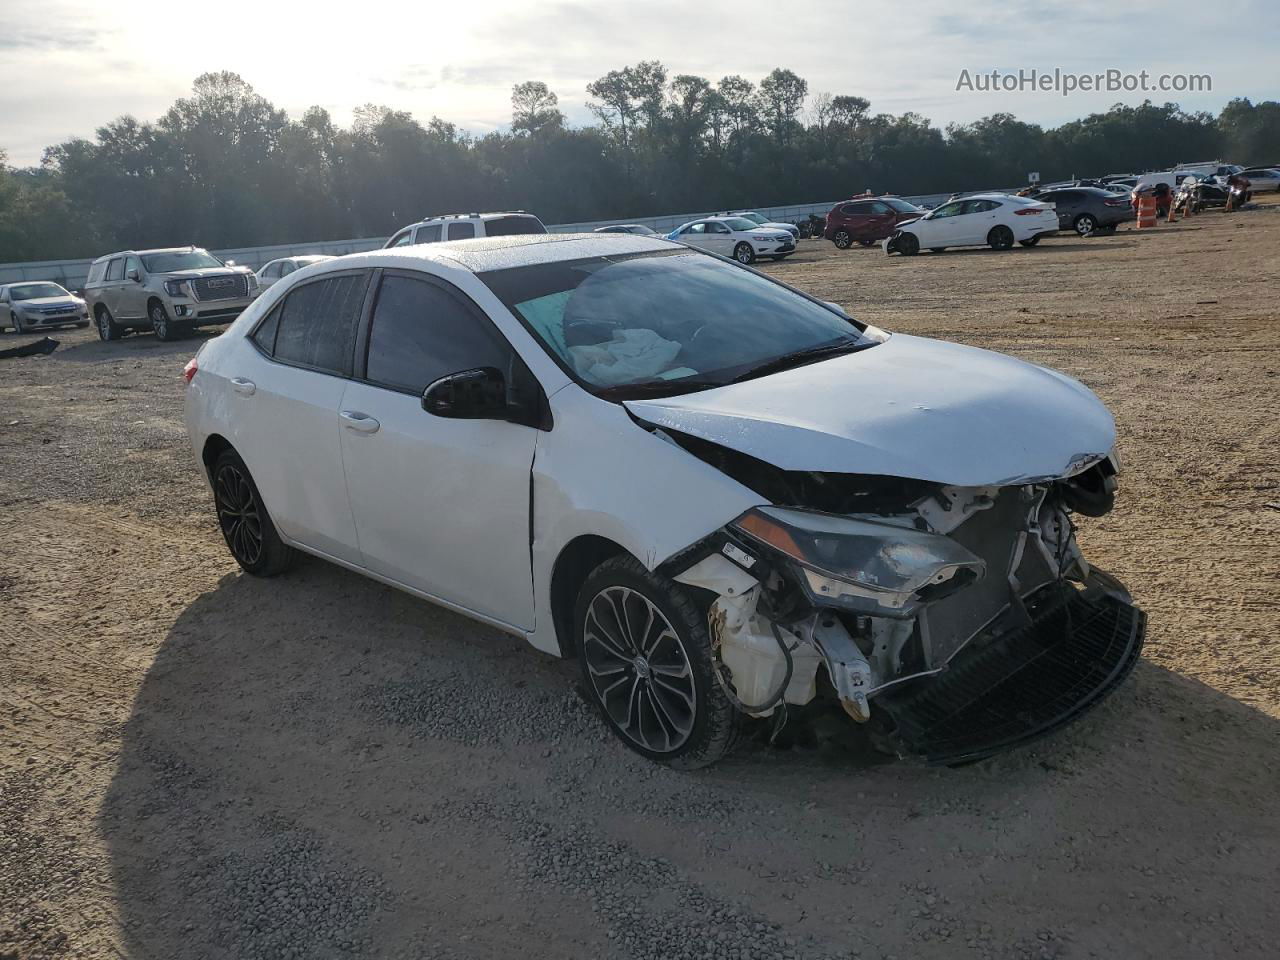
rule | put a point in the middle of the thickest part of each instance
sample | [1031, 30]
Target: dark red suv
[867, 220]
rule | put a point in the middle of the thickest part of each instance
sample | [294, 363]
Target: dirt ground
[194, 763]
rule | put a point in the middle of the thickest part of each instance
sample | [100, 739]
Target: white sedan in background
[279, 269]
[735, 237]
[996, 220]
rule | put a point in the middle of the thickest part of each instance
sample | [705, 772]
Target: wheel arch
[574, 563]
[152, 300]
[215, 445]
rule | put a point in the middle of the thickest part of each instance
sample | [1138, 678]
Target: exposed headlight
[866, 566]
[763, 239]
[252, 279]
[175, 288]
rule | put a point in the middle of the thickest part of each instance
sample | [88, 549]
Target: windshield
[738, 223]
[902, 206]
[677, 321]
[179, 260]
[36, 291]
[753, 217]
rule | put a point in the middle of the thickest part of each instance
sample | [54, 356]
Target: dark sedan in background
[1088, 210]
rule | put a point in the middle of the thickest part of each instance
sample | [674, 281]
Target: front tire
[908, 244]
[842, 239]
[16, 322]
[744, 254]
[165, 328]
[246, 526]
[1000, 238]
[645, 655]
[108, 329]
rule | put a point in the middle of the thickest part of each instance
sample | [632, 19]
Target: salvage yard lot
[197, 763]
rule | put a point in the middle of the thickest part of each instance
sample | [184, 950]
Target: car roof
[491, 215]
[499, 253]
[139, 253]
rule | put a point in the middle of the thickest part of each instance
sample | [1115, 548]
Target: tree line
[224, 167]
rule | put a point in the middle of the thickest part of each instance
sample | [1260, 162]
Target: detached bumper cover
[1078, 647]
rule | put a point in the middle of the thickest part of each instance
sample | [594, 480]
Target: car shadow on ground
[317, 765]
[143, 342]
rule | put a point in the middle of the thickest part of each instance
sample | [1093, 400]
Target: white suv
[465, 226]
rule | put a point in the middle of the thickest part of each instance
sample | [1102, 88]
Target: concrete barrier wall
[72, 273]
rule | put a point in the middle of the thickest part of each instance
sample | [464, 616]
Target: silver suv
[170, 291]
[465, 226]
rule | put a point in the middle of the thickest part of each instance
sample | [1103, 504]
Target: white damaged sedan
[997, 220]
[726, 499]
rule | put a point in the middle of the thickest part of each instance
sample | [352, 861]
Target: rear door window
[317, 326]
[422, 331]
[462, 231]
[854, 210]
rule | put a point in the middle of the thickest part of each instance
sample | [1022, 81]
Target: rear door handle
[359, 422]
[241, 385]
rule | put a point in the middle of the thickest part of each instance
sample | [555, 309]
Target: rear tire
[842, 239]
[246, 526]
[645, 655]
[744, 254]
[1000, 238]
[108, 329]
[1084, 224]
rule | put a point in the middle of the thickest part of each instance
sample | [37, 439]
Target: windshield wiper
[800, 357]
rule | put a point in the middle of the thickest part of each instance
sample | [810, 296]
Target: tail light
[1118, 202]
[189, 370]
[1026, 211]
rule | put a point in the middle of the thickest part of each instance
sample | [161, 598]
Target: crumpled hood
[909, 407]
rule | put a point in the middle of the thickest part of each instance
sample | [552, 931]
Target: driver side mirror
[479, 394]
[133, 275]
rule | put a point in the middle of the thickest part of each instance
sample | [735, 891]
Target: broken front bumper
[1078, 647]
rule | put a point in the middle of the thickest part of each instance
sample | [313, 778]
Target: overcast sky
[67, 67]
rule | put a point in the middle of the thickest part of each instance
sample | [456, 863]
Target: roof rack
[468, 216]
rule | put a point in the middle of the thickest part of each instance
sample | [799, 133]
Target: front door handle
[359, 422]
[241, 385]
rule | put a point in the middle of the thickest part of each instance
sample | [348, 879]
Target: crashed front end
[961, 620]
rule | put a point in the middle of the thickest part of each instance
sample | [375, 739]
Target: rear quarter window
[513, 226]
